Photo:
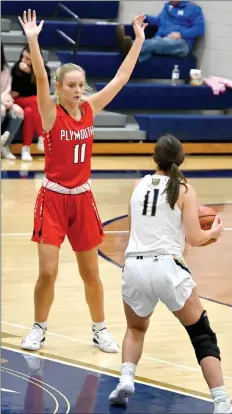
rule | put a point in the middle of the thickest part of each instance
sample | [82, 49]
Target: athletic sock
[219, 394]
[128, 370]
[42, 325]
[98, 326]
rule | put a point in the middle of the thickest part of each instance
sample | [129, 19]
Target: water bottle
[175, 75]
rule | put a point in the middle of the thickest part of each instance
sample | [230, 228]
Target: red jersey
[68, 148]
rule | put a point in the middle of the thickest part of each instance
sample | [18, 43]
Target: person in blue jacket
[179, 24]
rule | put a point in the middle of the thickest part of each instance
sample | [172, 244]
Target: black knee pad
[203, 339]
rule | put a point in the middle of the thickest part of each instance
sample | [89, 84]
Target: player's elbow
[193, 243]
[193, 240]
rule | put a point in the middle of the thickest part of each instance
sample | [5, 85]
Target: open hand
[29, 24]
[139, 26]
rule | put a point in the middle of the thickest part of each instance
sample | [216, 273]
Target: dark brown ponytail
[169, 155]
[173, 186]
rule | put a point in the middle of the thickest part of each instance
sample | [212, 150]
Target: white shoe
[40, 144]
[104, 341]
[26, 156]
[36, 337]
[7, 154]
[122, 393]
[223, 407]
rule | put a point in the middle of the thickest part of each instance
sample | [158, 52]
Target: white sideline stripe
[70, 338]
[106, 232]
[6, 390]
[106, 373]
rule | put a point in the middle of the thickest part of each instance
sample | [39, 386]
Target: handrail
[79, 22]
[66, 37]
[68, 11]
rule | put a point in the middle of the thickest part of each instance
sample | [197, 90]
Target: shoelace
[36, 330]
[105, 335]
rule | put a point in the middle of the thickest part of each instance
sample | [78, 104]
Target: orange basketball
[206, 217]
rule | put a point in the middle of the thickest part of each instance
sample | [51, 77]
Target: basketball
[206, 217]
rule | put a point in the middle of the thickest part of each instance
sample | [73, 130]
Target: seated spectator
[179, 24]
[11, 114]
[24, 92]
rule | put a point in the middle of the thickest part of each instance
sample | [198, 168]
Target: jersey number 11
[79, 153]
[154, 202]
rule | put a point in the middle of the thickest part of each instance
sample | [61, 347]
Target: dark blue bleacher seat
[50, 37]
[106, 64]
[16, 8]
[84, 9]
[150, 96]
[94, 35]
[188, 128]
[92, 9]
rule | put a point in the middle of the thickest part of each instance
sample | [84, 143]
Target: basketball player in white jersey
[163, 214]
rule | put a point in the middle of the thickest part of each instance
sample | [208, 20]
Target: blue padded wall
[84, 9]
[188, 128]
[150, 96]
[106, 64]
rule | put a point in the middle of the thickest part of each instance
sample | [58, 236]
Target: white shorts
[146, 280]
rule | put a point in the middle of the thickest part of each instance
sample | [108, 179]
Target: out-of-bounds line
[70, 338]
[107, 373]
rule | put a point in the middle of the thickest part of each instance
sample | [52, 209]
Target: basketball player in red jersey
[65, 205]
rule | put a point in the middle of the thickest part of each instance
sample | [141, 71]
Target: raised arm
[102, 98]
[195, 236]
[47, 107]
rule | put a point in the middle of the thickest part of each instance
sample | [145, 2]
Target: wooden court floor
[168, 356]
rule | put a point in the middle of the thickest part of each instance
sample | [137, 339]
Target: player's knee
[138, 328]
[203, 339]
[47, 276]
[90, 276]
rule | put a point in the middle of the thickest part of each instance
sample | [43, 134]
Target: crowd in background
[19, 103]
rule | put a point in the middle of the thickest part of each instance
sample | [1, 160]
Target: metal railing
[74, 16]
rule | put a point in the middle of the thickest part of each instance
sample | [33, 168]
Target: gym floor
[69, 374]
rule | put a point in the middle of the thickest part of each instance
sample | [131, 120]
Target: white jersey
[155, 227]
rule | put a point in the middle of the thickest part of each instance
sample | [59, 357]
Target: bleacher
[148, 106]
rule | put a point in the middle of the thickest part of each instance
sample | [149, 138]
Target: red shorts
[75, 216]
